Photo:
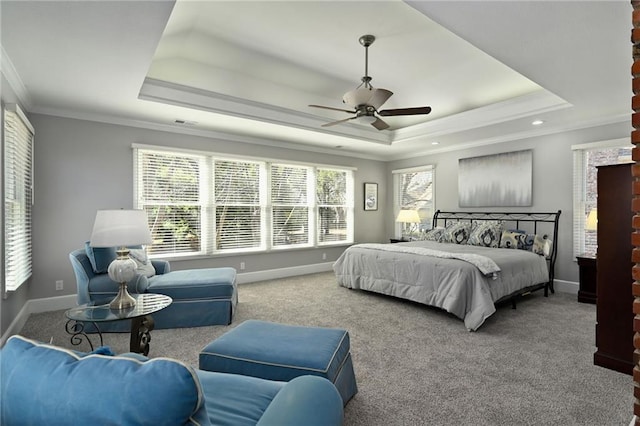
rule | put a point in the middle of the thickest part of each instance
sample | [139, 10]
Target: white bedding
[452, 284]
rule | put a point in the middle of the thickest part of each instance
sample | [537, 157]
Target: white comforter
[444, 281]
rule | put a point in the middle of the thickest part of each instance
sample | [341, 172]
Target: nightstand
[587, 265]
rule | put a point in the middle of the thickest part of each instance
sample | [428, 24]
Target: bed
[466, 264]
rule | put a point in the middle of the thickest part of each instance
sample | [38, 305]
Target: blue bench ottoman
[200, 297]
[282, 352]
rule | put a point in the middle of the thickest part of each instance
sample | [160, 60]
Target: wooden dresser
[614, 315]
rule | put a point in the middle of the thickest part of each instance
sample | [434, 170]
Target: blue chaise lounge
[200, 296]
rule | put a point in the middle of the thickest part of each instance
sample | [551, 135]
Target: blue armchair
[200, 296]
[45, 384]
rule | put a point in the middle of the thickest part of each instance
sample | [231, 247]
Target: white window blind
[169, 189]
[203, 203]
[333, 208]
[290, 205]
[239, 214]
[18, 193]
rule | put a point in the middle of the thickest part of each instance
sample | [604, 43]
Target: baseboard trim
[270, 274]
[36, 306]
[563, 286]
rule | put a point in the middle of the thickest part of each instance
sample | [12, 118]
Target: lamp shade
[408, 216]
[366, 96]
[114, 228]
[592, 221]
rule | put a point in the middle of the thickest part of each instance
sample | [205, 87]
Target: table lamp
[121, 228]
[408, 216]
[592, 221]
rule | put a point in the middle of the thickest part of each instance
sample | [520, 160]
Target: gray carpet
[417, 365]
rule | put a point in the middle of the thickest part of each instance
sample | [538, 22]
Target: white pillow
[144, 265]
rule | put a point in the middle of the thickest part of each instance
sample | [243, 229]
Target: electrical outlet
[242, 266]
[324, 256]
[59, 284]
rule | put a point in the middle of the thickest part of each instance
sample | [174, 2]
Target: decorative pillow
[145, 267]
[96, 389]
[509, 239]
[517, 240]
[100, 257]
[542, 245]
[457, 233]
[434, 234]
[531, 242]
[486, 234]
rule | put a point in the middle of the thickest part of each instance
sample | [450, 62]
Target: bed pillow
[487, 234]
[541, 245]
[517, 240]
[456, 233]
[434, 234]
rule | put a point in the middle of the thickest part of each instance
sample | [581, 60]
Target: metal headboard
[531, 222]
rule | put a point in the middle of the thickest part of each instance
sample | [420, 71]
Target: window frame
[580, 186]
[208, 228]
[397, 202]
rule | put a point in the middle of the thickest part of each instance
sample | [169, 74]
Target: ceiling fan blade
[332, 108]
[405, 111]
[333, 123]
[379, 124]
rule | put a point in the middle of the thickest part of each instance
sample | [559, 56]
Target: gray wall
[552, 180]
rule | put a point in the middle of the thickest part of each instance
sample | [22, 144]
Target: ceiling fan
[365, 99]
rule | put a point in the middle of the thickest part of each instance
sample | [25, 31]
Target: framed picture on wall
[370, 196]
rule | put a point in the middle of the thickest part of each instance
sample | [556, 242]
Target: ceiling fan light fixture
[369, 119]
[364, 96]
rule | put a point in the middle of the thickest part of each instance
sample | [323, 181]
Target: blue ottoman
[282, 352]
[200, 297]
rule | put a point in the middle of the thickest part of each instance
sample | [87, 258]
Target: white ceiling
[247, 70]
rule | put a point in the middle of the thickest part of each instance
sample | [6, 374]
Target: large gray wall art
[499, 180]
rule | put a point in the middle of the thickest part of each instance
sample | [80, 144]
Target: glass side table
[99, 311]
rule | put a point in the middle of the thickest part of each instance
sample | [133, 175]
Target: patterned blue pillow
[486, 234]
[457, 233]
[434, 234]
[517, 240]
[530, 242]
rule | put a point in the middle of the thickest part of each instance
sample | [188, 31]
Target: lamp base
[123, 299]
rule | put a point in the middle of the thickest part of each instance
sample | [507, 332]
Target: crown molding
[14, 80]
[205, 100]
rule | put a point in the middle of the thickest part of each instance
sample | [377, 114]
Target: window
[414, 189]
[18, 196]
[586, 158]
[200, 203]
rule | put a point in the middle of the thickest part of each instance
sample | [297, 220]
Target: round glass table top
[99, 311]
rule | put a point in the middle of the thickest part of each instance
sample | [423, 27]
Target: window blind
[290, 204]
[169, 190]
[333, 205]
[239, 214]
[18, 201]
[579, 192]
